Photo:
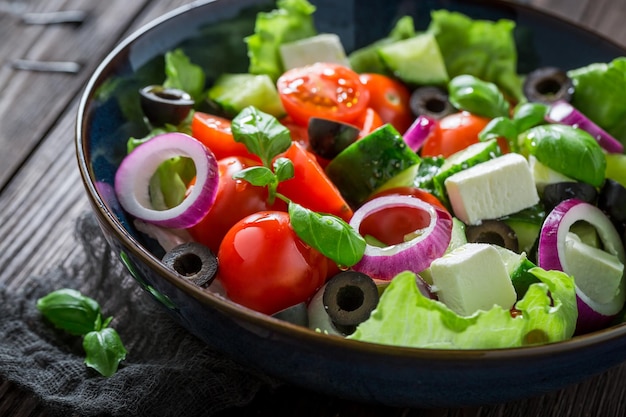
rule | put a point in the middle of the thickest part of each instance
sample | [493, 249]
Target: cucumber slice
[325, 47]
[234, 92]
[518, 265]
[370, 162]
[416, 60]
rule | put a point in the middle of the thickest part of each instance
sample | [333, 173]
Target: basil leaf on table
[69, 310]
[104, 350]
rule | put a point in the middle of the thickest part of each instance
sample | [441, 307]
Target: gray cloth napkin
[167, 371]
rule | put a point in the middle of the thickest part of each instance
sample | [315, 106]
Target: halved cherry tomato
[390, 99]
[235, 200]
[310, 187]
[265, 266]
[215, 133]
[457, 131]
[325, 90]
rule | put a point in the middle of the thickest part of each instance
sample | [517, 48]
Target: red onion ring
[414, 255]
[419, 131]
[132, 180]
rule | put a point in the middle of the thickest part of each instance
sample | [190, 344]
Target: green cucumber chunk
[370, 162]
[234, 92]
[416, 60]
[518, 265]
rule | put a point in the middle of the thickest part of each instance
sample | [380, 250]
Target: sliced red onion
[132, 180]
[551, 255]
[419, 131]
[564, 113]
[414, 255]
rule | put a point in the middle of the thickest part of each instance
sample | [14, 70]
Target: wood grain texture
[41, 194]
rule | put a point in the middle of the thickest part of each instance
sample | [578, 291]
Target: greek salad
[416, 192]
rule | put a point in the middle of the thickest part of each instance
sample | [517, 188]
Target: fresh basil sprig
[69, 310]
[267, 138]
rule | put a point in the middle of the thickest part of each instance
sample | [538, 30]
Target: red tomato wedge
[390, 99]
[456, 132]
[324, 90]
[215, 133]
[310, 187]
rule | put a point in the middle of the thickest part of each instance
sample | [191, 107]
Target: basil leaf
[262, 134]
[500, 127]
[257, 175]
[527, 115]
[328, 234]
[104, 350]
[69, 310]
[283, 169]
[476, 96]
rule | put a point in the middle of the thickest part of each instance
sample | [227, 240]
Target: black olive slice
[430, 101]
[165, 105]
[548, 85]
[327, 138]
[349, 298]
[193, 262]
[494, 232]
[554, 193]
[612, 200]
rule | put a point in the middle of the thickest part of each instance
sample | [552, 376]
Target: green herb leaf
[328, 234]
[258, 176]
[262, 134]
[283, 169]
[104, 350]
[476, 96]
[500, 127]
[69, 310]
[182, 74]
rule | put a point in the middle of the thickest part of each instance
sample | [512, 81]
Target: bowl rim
[107, 219]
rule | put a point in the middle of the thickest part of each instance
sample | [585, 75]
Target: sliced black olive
[554, 193]
[547, 85]
[327, 138]
[165, 105]
[430, 101]
[612, 200]
[193, 262]
[349, 298]
[494, 232]
[296, 314]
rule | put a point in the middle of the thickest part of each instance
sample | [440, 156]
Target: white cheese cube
[472, 277]
[325, 47]
[492, 189]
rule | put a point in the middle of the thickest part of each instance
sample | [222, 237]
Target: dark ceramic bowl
[211, 33]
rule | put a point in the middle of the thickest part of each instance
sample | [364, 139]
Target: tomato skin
[369, 121]
[215, 132]
[456, 131]
[390, 99]
[235, 200]
[266, 267]
[324, 90]
[310, 187]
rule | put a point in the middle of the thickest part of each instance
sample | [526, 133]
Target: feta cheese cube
[472, 277]
[492, 189]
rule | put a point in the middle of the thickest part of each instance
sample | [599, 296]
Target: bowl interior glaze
[211, 33]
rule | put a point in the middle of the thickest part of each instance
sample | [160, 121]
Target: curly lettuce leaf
[599, 94]
[291, 21]
[482, 48]
[405, 317]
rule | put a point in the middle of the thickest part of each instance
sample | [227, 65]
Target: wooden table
[41, 193]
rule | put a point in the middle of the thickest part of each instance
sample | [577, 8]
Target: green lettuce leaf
[184, 75]
[291, 21]
[405, 317]
[599, 95]
[482, 48]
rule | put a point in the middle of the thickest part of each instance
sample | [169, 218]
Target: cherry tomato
[311, 187]
[390, 99]
[215, 133]
[266, 267]
[392, 224]
[457, 131]
[235, 200]
[368, 122]
[323, 90]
